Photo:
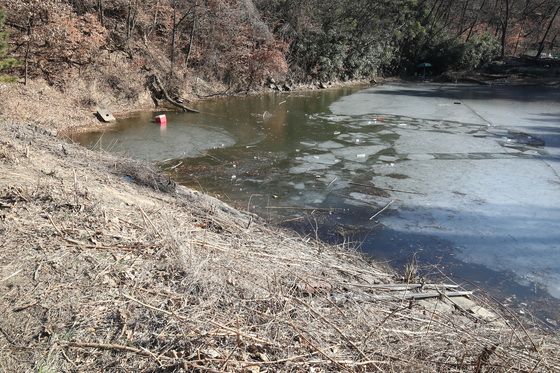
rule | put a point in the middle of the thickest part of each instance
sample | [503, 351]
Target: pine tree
[5, 62]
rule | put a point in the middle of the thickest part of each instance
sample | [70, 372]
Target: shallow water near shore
[464, 178]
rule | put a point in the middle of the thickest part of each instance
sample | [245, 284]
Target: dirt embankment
[105, 265]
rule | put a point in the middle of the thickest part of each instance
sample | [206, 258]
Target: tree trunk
[132, 13]
[475, 20]
[173, 37]
[541, 45]
[28, 48]
[155, 21]
[176, 25]
[191, 39]
[517, 41]
[101, 11]
[158, 86]
[553, 41]
[462, 21]
[504, 30]
[128, 19]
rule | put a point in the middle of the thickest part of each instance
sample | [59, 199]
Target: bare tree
[550, 23]
[177, 24]
[504, 23]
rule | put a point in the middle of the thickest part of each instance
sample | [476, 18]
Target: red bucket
[161, 119]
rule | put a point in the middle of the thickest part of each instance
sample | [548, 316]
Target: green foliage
[443, 55]
[343, 39]
[432, 38]
[479, 50]
[5, 63]
[459, 54]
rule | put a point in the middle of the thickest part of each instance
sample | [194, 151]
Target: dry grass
[98, 273]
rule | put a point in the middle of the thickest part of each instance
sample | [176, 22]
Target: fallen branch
[403, 287]
[12, 275]
[110, 346]
[100, 247]
[418, 296]
[159, 86]
[147, 218]
[381, 211]
[174, 167]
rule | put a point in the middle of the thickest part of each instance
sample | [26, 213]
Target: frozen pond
[470, 174]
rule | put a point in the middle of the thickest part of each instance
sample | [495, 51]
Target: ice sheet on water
[353, 202]
[369, 122]
[331, 117]
[154, 144]
[354, 153]
[330, 145]
[420, 157]
[308, 143]
[352, 167]
[360, 139]
[387, 158]
[384, 133]
[314, 162]
[365, 198]
[422, 142]
[307, 167]
[480, 203]
[308, 198]
[513, 150]
[325, 158]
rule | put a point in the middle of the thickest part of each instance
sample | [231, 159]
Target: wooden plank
[418, 296]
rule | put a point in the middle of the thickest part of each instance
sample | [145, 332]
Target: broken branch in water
[381, 211]
[102, 346]
[174, 167]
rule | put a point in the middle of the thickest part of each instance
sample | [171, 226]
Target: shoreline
[106, 261]
[128, 113]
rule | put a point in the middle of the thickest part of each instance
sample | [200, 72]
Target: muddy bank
[106, 265]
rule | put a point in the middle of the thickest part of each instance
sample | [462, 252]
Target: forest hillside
[99, 48]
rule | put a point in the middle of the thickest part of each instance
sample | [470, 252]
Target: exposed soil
[105, 265]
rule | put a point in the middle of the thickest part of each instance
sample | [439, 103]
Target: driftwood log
[159, 92]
